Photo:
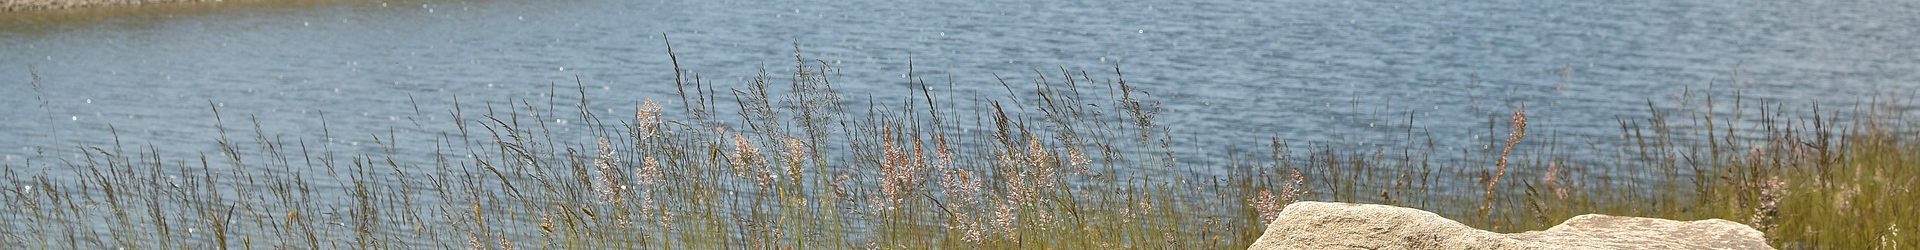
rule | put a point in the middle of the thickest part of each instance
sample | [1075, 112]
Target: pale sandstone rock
[1322, 225]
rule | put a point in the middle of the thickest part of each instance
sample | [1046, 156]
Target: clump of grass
[1072, 160]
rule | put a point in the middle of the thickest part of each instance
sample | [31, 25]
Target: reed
[1072, 160]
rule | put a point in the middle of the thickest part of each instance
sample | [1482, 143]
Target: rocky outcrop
[1322, 225]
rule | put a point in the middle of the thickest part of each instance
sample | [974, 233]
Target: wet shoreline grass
[1073, 160]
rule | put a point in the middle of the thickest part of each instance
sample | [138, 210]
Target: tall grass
[1072, 160]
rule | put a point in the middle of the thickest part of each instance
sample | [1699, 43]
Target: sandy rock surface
[1323, 225]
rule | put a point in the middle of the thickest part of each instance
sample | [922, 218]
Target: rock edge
[1325, 225]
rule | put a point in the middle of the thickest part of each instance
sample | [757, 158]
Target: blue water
[1231, 73]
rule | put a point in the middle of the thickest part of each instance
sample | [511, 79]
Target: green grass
[1072, 161]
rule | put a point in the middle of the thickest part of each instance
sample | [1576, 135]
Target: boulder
[1323, 225]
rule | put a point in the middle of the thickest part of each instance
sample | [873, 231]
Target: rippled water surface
[1231, 73]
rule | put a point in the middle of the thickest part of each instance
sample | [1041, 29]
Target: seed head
[609, 184]
[647, 120]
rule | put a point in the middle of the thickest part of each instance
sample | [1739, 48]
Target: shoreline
[42, 5]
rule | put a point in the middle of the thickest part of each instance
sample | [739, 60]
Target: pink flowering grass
[1075, 160]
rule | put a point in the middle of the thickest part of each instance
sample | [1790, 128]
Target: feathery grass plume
[1269, 205]
[797, 158]
[748, 162]
[919, 170]
[1766, 216]
[1041, 162]
[962, 192]
[1295, 188]
[1519, 123]
[666, 221]
[649, 172]
[941, 153]
[1006, 216]
[1552, 182]
[960, 186]
[899, 169]
[971, 231]
[1142, 207]
[841, 185]
[646, 120]
[1078, 160]
[609, 184]
[1021, 181]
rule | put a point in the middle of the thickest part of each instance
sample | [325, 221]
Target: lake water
[1231, 72]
